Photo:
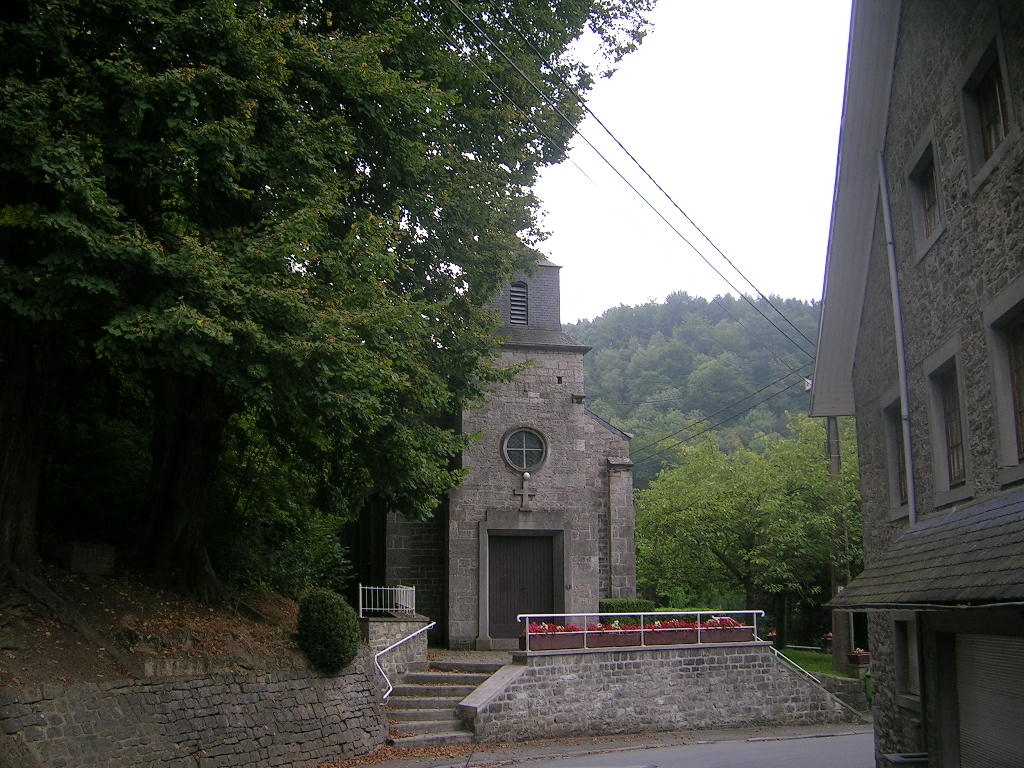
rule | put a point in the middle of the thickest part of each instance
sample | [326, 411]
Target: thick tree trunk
[21, 443]
[189, 420]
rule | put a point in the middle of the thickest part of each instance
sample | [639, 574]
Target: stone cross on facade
[525, 495]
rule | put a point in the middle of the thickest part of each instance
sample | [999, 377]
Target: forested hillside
[671, 371]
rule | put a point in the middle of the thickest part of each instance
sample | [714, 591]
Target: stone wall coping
[489, 690]
[527, 655]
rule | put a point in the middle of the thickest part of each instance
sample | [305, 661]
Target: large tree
[291, 210]
[771, 526]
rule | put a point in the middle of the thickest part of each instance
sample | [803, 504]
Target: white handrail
[793, 665]
[647, 618]
[376, 656]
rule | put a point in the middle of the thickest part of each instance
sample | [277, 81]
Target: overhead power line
[558, 111]
[665, 449]
[586, 106]
[728, 407]
[508, 59]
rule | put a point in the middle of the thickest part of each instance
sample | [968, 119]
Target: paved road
[845, 751]
[834, 746]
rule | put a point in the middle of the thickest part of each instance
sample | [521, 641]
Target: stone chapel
[544, 522]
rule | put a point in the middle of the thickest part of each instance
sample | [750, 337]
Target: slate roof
[524, 335]
[967, 556]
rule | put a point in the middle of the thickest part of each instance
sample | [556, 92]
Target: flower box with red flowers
[544, 636]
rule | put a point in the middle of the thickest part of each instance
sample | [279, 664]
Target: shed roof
[967, 556]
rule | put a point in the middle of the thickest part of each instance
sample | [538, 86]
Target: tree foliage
[272, 224]
[775, 527]
[670, 372]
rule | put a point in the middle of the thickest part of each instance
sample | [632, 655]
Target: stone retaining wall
[293, 719]
[569, 693]
[848, 689]
[381, 633]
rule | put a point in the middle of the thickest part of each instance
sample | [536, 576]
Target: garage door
[990, 695]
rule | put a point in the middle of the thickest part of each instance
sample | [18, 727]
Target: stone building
[922, 339]
[544, 521]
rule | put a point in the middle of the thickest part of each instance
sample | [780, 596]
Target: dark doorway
[521, 580]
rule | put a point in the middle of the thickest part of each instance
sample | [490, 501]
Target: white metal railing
[397, 601]
[810, 677]
[407, 638]
[794, 666]
[589, 625]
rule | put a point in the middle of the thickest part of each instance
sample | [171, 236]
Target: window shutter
[518, 311]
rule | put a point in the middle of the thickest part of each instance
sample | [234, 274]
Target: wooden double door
[521, 579]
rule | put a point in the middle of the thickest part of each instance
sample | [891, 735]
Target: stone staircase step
[415, 715]
[433, 690]
[424, 702]
[423, 707]
[444, 678]
[421, 727]
[478, 667]
[448, 738]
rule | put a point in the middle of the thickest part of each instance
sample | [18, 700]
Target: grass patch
[813, 661]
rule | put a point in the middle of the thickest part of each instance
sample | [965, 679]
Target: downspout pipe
[901, 354]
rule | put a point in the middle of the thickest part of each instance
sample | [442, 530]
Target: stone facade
[579, 693]
[275, 719]
[578, 497]
[961, 287]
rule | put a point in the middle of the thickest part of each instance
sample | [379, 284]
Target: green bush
[328, 630]
[625, 605]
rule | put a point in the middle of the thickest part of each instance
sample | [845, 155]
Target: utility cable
[583, 102]
[725, 408]
[628, 183]
[667, 449]
[676, 444]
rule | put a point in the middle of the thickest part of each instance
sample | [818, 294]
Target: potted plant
[544, 636]
[612, 635]
[671, 632]
[859, 657]
[725, 630]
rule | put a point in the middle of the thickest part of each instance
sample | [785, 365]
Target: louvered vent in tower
[518, 310]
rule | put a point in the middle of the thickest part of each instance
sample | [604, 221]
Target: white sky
[733, 106]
